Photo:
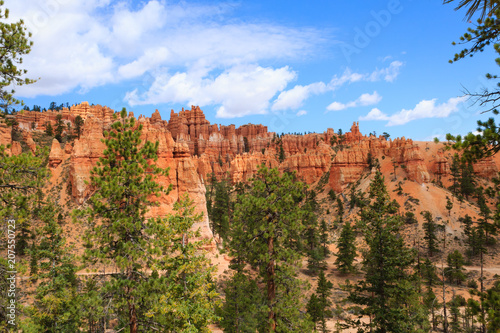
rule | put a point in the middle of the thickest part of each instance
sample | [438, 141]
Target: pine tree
[455, 270]
[315, 246]
[386, 292]
[324, 293]
[21, 182]
[449, 205]
[158, 270]
[78, 125]
[187, 298]
[48, 129]
[430, 230]
[281, 155]
[15, 43]
[485, 214]
[243, 309]
[346, 245]
[492, 307]
[54, 307]
[454, 305]
[313, 308]
[221, 208]
[266, 234]
[59, 128]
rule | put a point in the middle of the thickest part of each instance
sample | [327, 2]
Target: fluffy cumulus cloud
[301, 113]
[240, 90]
[295, 97]
[424, 109]
[179, 52]
[188, 52]
[363, 100]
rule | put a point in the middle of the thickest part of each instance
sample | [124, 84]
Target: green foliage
[455, 270]
[55, 305]
[319, 303]
[281, 156]
[14, 41]
[485, 6]
[187, 295]
[78, 125]
[21, 182]
[430, 230]
[59, 128]
[243, 308]
[332, 195]
[315, 235]
[265, 234]
[429, 273]
[485, 33]
[221, 207]
[492, 307]
[386, 293]
[48, 129]
[346, 245]
[22, 178]
[162, 279]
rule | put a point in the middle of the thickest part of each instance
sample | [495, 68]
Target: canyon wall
[193, 148]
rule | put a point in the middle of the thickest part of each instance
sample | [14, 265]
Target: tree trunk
[271, 286]
[132, 313]
[133, 317]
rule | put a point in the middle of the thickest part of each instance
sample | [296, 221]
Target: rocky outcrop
[192, 149]
[441, 166]
[35, 120]
[86, 153]
[16, 148]
[5, 136]
[486, 168]
[56, 154]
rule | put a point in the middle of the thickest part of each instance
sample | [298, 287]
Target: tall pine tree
[157, 269]
[266, 234]
[386, 292]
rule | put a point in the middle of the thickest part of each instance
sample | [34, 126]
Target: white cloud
[295, 97]
[375, 114]
[424, 109]
[191, 53]
[363, 100]
[240, 90]
[80, 45]
[388, 74]
[301, 113]
[369, 99]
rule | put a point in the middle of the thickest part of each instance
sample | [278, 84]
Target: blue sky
[294, 66]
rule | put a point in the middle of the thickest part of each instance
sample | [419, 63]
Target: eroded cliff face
[192, 149]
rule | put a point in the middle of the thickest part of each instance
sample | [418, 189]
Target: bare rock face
[86, 153]
[16, 148]
[193, 149]
[5, 136]
[35, 120]
[56, 154]
[441, 165]
[486, 168]
[347, 167]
